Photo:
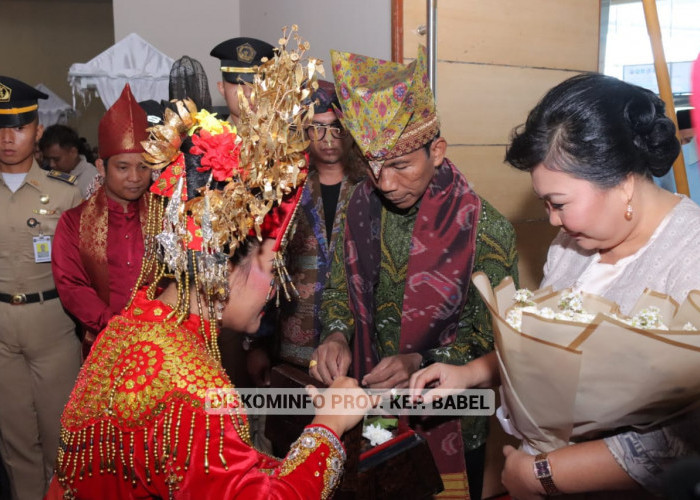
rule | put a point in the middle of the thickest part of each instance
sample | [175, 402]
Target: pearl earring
[629, 212]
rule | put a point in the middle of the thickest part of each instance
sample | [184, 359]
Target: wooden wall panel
[481, 104]
[533, 239]
[508, 189]
[538, 33]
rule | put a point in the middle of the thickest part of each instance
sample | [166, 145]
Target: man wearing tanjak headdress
[99, 244]
[399, 293]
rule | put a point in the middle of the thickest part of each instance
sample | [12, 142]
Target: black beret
[239, 57]
[18, 102]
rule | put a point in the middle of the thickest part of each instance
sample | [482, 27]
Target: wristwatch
[543, 472]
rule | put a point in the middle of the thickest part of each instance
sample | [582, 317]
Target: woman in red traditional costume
[136, 425]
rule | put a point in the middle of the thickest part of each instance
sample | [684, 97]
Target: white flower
[443, 351]
[523, 296]
[547, 313]
[571, 301]
[376, 434]
[515, 317]
[647, 319]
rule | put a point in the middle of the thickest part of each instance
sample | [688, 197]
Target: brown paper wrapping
[564, 381]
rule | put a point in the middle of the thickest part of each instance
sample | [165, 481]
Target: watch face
[542, 469]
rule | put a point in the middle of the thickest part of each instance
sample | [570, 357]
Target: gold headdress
[224, 185]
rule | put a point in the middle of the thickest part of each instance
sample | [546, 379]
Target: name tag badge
[42, 248]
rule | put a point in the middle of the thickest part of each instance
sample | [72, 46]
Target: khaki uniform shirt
[39, 202]
[85, 173]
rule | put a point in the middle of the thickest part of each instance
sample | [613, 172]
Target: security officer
[39, 351]
[239, 60]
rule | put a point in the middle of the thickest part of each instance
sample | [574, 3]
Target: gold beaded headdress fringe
[253, 173]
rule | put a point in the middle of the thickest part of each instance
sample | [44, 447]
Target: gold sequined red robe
[135, 425]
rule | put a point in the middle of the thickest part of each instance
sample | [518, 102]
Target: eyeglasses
[318, 132]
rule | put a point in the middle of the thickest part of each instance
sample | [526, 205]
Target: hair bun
[640, 113]
[654, 134]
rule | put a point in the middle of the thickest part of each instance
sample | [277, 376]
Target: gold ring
[312, 363]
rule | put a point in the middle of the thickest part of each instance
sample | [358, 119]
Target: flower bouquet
[573, 367]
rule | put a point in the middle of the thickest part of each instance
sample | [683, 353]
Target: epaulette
[62, 176]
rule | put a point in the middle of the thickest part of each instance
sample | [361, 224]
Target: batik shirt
[495, 255]
[309, 258]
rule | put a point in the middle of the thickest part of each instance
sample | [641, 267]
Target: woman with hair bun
[592, 146]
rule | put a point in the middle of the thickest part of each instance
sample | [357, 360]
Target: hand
[258, 366]
[333, 359]
[444, 379]
[448, 379]
[518, 475]
[86, 344]
[338, 423]
[393, 371]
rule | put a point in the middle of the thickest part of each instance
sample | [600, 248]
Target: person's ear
[438, 148]
[220, 86]
[39, 132]
[627, 187]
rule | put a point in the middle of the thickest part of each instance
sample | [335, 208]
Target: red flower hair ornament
[220, 153]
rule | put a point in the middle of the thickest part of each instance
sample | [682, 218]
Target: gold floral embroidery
[93, 227]
[141, 376]
[307, 444]
[137, 367]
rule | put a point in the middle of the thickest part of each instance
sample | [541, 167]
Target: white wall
[360, 26]
[179, 27]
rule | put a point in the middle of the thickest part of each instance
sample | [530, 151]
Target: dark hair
[596, 128]
[240, 257]
[195, 179]
[66, 138]
[240, 260]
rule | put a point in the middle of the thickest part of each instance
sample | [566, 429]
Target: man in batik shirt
[334, 172]
[400, 294]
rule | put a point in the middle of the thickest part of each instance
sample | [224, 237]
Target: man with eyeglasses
[399, 295]
[334, 171]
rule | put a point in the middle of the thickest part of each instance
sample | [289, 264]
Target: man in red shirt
[99, 244]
